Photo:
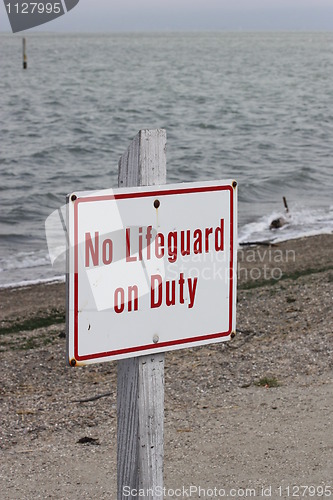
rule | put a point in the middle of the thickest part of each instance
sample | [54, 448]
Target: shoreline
[243, 245]
[23, 307]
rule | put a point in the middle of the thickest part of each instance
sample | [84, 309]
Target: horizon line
[165, 31]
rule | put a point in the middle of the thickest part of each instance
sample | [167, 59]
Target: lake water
[257, 107]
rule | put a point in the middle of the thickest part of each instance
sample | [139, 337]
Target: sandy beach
[252, 416]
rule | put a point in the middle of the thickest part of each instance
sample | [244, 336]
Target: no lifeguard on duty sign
[150, 269]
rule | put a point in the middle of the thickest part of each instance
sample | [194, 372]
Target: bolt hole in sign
[150, 269]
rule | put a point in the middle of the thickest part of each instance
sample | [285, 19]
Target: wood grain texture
[140, 386]
[144, 162]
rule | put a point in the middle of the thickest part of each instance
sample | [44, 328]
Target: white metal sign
[150, 269]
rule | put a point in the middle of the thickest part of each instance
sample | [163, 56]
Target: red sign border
[170, 343]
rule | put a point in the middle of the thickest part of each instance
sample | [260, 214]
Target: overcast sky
[155, 15]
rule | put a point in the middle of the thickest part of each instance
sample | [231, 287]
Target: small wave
[207, 126]
[301, 222]
[24, 260]
[78, 150]
[47, 281]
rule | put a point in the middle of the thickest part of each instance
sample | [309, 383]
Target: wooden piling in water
[24, 54]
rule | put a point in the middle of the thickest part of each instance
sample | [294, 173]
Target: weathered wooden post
[140, 389]
[104, 290]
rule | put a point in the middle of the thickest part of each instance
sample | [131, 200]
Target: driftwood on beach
[257, 243]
